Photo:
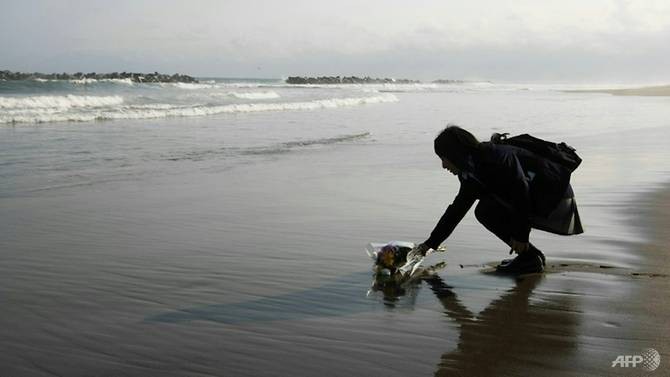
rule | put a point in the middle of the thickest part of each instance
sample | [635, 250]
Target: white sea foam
[402, 88]
[47, 114]
[155, 106]
[62, 102]
[243, 85]
[370, 90]
[254, 95]
[83, 81]
[190, 86]
[214, 85]
[86, 81]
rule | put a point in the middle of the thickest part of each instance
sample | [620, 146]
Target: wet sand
[661, 90]
[175, 309]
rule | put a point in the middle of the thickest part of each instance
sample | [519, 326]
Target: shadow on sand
[512, 335]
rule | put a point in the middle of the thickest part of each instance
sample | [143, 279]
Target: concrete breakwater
[132, 76]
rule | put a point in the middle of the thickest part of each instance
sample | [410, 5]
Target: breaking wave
[87, 108]
[268, 94]
[86, 81]
[60, 102]
[254, 95]
[189, 86]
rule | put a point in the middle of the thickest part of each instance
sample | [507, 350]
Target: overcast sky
[529, 40]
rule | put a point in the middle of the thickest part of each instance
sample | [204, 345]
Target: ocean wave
[35, 115]
[243, 85]
[189, 86]
[305, 143]
[214, 85]
[154, 106]
[86, 81]
[254, 95]
[407, 88]
[200, 155]
[61, 102]
[366, 88]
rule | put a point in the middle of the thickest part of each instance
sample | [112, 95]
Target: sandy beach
[661, 90]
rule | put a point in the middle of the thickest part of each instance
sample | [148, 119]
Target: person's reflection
[395, 286]
[510, 337]
[393, 290]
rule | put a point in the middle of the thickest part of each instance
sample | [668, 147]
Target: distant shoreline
[301, 80]
[132, 76]
[661, 90]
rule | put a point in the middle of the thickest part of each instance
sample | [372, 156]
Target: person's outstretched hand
[518, 246]
[418, 251]
[414, 257]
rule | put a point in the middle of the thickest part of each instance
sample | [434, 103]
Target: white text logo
[650, 360]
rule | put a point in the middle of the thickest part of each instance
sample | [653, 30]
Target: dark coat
[536, 191]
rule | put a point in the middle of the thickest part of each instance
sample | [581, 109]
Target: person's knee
[494, 218]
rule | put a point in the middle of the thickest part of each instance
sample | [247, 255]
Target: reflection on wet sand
[512, 334]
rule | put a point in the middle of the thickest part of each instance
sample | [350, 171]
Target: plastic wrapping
[388, 257]
[391, 257]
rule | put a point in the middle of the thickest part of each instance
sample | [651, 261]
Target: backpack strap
[560, 153]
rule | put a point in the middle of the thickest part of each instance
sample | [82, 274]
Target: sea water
[219, 228]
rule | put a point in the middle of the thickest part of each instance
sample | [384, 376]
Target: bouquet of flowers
[389, 257]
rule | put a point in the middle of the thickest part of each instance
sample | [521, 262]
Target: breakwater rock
[346, 80]
[132, 76]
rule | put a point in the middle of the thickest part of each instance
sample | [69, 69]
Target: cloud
[426, 38]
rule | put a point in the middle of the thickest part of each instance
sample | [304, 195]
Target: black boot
[525, 263]
[532, 249]
[539, 253]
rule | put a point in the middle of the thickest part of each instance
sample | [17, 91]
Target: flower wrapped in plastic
[391, 257]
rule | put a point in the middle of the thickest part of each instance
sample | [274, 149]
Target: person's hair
[456, 145]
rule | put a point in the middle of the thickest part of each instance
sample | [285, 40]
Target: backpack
[559, 153]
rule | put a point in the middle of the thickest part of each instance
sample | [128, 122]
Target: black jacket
[528, 185]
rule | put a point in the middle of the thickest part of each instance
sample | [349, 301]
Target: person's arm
[466, 196]
[452, 305]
